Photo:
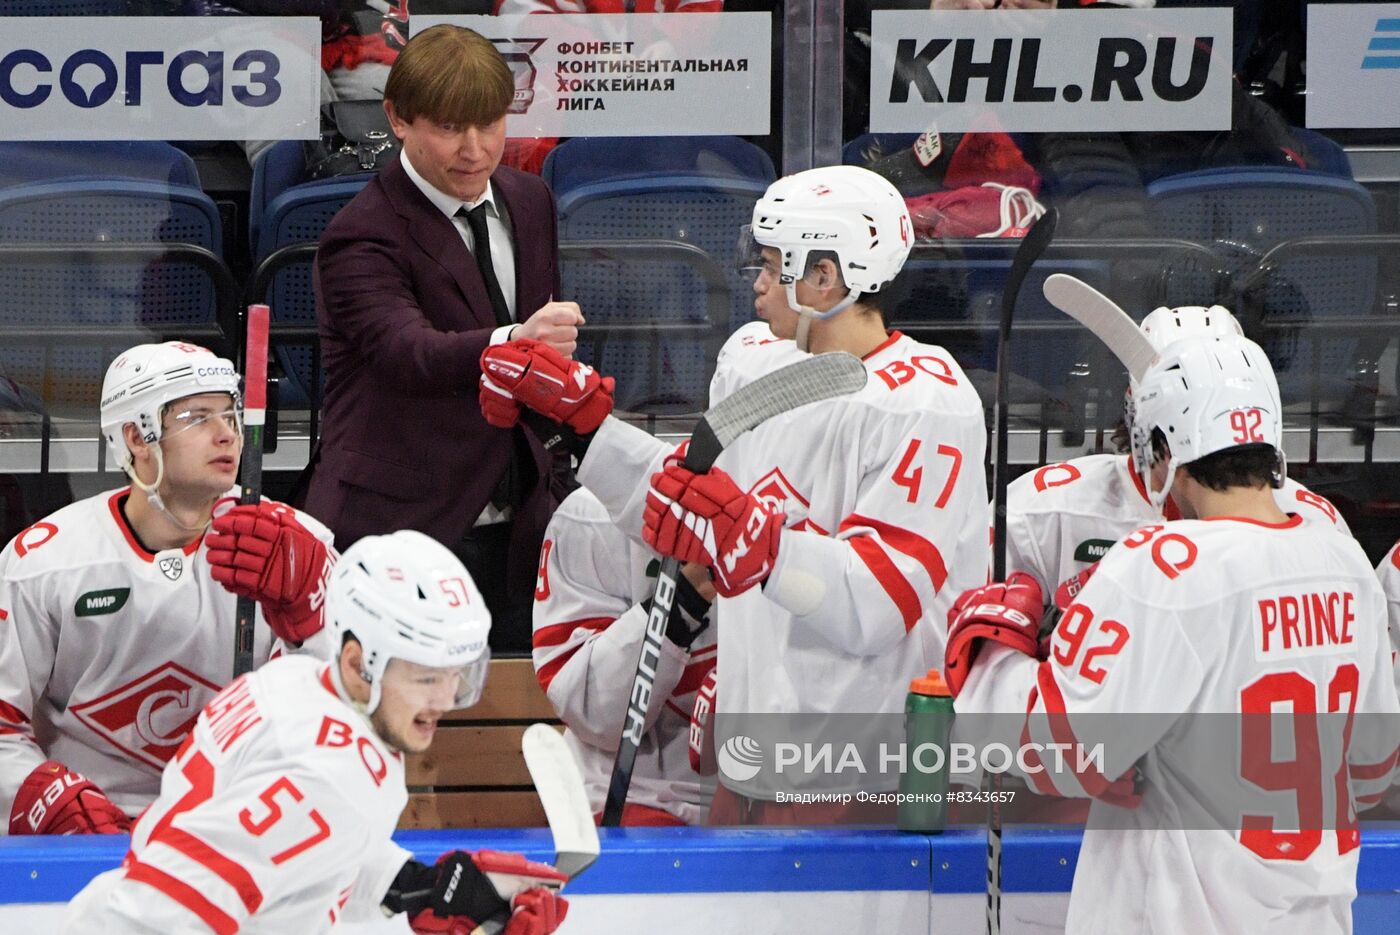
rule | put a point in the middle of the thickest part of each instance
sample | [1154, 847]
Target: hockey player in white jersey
[1061, 518]
[276, 815]
[590, 617]
[860, 517]
[116, 617]
[1389, 573]
[1237, 609]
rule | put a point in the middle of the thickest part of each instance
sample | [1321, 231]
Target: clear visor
[748, 253]
[748, 258]
[183, 418]
[441, 688]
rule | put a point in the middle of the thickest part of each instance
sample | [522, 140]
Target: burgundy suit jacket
[403, 317]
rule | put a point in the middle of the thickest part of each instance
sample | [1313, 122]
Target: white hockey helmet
[143, 379]
[846, 210]
[1164, 326]
[406, 596]
[1206, 394]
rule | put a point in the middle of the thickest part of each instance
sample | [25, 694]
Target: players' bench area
[474, 776]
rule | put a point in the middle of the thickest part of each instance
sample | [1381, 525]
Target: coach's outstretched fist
[555, 324]
[533, 374]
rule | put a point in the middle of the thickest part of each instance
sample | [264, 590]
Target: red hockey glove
[702, 726]
[1069, 589]
[262, 552]
[706, 518]
[55, 800]
[532, 374]
[537, 912]
[1008, 613]
[464, 890]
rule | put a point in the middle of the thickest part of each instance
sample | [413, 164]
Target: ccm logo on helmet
[818, 235]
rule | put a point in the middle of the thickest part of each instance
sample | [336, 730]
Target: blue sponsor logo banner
[136, 78]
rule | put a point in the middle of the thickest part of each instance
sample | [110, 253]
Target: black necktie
[476, 220]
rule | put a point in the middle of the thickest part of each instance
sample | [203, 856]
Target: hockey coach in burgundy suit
[407, 301]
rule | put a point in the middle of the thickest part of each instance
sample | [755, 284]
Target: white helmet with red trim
[406, 596]
[143, 379]
[1164, 326]
[846, 210]
[1206, 394]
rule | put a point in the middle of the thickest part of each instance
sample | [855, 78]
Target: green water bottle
[928, 719]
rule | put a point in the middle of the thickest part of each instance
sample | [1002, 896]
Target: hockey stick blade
[807, 381]
[1101, 315]
[560, 788]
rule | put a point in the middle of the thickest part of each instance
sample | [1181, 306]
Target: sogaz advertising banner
[644, 74]
[160, 78]
[1353, 65]
[1051, 70]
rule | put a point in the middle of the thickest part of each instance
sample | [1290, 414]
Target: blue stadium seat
[586, 160]
[284, 210]
[695, 190]
[150, 160]
[1243, 212]
[159, 295]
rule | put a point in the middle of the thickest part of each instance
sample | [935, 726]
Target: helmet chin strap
[152, 492]
[364, 709]
[1159, 497]
[806, 315]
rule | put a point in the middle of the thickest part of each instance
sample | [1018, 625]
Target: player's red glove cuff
[1008, 613]
[706, 518]
[55, 800]
[1069, 589]
[534, 375]
[263, 552]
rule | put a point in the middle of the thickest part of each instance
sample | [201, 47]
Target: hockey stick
[254, 415]
[559, 785]
[1032, 246]
[1101, 315]
[806, 381]
[560, 788]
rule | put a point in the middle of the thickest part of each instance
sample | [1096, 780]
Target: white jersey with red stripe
[275, 817]
[108, 651]
[1389, 573]
[589, 623]
[1061, 518]
[1223, 617]
[885, 497]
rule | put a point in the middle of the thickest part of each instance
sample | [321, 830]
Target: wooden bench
[473, 776]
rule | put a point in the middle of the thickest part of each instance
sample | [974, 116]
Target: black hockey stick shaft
[699, 457]
[254, 417]
[815, 378]
[1030, 250]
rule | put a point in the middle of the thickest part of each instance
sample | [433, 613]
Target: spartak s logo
[776, 491]
[150, 716]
